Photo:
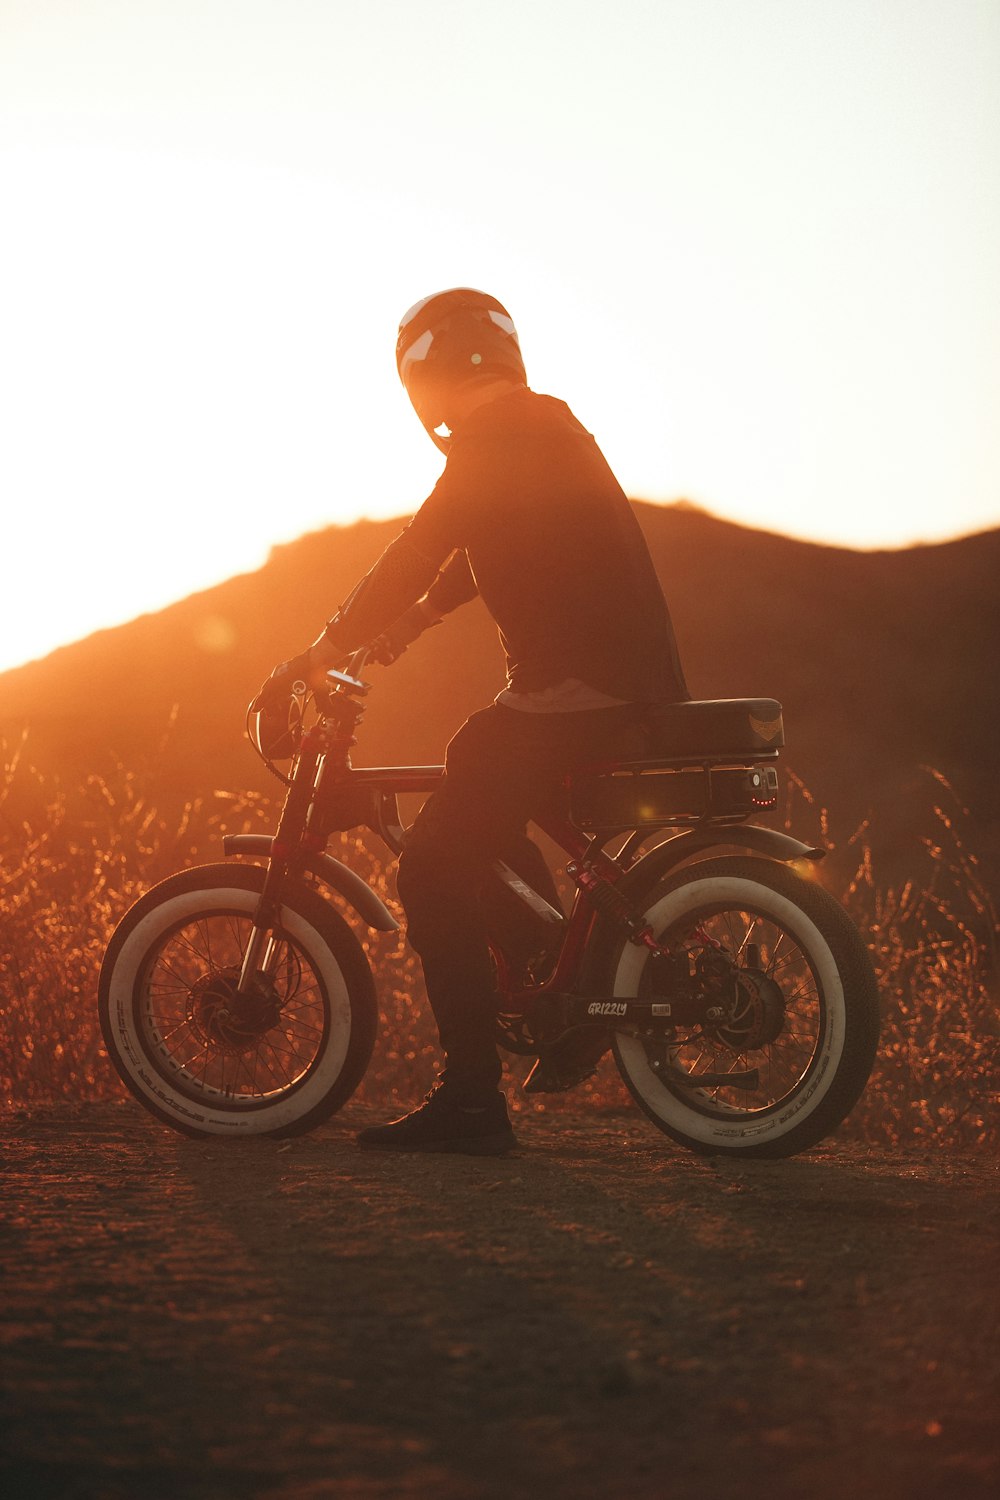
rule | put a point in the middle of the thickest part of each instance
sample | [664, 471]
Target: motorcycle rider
[528, 515]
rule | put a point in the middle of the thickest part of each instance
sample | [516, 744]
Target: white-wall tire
[814, 1071]
[289, 1078]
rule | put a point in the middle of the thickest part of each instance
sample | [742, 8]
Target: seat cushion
[716, 726]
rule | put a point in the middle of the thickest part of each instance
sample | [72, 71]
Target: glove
[279, 724]
[401, 633]
[277, 690]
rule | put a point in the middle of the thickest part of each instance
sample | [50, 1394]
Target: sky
[753, 243]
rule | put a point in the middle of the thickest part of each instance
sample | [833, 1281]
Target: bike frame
[326, 793]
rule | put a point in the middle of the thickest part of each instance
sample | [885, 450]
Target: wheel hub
[756, 1014]
[227, 1020]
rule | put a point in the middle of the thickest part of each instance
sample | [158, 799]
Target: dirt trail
[600, 1315]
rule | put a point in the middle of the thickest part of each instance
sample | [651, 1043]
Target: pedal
[568, 1063]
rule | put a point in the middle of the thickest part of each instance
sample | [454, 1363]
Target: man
[528, 515]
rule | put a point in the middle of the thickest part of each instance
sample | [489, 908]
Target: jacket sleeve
[454, 585]
[397, 580]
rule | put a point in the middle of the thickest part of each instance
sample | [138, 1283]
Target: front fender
[360, 897]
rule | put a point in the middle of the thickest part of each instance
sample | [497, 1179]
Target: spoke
[204, 929]
[254, 1090]
[802, 995]
[183, 982]
[312, 998]
[210, 1057]
[203, 954]
[748, 934]
[221, 1060]
[285, 1051]
[176, 996]
[180, 950]
[166, 1035]
[301, 1025]
[807, 1039]
[794, 958]
[237, 926]
[258, 1057]
[201, 1051]
[311, 1021]
[162, 979]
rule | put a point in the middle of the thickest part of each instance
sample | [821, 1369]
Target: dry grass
[72, 863]
[934, 942]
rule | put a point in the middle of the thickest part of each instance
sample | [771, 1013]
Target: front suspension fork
[260, 957]
[261, 953]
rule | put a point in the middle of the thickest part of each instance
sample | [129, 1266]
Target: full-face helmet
[446, 341]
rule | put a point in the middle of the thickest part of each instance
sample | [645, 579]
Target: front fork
[261, 953]
[292, 838]
[260, 958]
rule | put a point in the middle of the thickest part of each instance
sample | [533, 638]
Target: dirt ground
[599, 1315]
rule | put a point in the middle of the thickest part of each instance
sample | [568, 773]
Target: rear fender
[650, 869]
[360, 897]
[656, 862]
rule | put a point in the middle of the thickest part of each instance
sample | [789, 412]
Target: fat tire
[835, 951]
[333, 952]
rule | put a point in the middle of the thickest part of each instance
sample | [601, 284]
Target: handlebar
[348, 675]
[356, 663]
[342, 682]
[337, 679]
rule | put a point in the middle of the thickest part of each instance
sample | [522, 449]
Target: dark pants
[503, 767]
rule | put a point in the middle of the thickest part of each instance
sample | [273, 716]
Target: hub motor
[756, 1014]
[225, 1019]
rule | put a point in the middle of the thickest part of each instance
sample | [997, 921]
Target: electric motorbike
[736, 994]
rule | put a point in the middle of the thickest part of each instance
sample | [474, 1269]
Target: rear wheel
[209, 1061]
[787, 1044]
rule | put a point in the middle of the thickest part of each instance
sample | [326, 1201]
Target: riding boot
[448, 1120]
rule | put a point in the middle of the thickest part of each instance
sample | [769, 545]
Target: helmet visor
[436, 343]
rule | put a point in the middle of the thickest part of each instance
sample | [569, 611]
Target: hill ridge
[884, 661]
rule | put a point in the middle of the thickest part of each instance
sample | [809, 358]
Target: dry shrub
[934, 942]
[72, 864]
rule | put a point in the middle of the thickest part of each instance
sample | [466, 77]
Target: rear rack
[678, 793]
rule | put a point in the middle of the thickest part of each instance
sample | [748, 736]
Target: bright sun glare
[780, 310]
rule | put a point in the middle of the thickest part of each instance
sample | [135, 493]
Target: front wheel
[785, 1051]
[213, 1062]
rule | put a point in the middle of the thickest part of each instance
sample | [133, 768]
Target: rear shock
[606, 899]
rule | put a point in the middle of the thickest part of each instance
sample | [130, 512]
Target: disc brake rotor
[227, 1020]
[756, 1015]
